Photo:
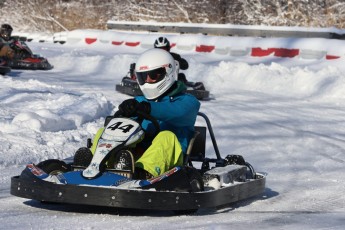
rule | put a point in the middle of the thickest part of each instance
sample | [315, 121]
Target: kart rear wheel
[53, 167]
[197, 185]
[195, 180]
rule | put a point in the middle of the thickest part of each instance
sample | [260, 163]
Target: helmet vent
[162, 85]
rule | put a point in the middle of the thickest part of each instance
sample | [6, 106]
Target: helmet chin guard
[150, 61]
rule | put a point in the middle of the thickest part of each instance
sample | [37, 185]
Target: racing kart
[130, 86]
[184, 189]
[25, 59]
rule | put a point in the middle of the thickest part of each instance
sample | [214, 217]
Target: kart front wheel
[53, 167]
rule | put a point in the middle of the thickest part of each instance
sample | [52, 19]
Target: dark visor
[156, 75]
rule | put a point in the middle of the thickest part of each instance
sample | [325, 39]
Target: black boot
[141, 174]
[82, 157]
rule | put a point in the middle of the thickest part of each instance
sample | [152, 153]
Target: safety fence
[285, 47]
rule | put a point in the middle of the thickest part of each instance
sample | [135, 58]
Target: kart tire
[54, 167]
[197, 185]
[195, 179]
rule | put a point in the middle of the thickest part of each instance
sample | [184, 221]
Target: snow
[286, 116]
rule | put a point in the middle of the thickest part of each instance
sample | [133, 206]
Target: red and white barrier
[304, 48]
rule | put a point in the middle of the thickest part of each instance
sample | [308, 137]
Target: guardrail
[229, 30]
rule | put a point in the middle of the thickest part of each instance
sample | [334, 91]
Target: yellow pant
[164, 154]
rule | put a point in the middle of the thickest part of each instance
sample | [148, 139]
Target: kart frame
[31, 187]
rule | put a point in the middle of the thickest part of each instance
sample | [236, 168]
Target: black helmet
[6, 31]
[162, 43]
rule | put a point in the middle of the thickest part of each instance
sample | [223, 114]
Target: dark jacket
[183, 63]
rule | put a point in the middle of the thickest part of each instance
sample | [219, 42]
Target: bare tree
[59, 15]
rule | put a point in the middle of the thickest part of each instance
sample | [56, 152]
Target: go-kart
[25, 59]
[184, 189]
[130, 86]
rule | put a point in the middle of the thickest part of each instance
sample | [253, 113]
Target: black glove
[130, 107]
[144, 107]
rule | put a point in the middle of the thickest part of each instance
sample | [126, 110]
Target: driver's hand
[130, 107]
[144, 107]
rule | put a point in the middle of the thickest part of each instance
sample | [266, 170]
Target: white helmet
[160, 67]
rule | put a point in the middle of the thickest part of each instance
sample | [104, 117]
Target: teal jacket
[176, 112]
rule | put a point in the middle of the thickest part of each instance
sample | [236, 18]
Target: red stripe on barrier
[258, 52]
[132, 43]
[330, 57]
[90, 40]
[282, 52]
[116, 43]
[204, 48]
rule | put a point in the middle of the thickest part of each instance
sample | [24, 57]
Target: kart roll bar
[210, 130]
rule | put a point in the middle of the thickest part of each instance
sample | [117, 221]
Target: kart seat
[196, 147]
